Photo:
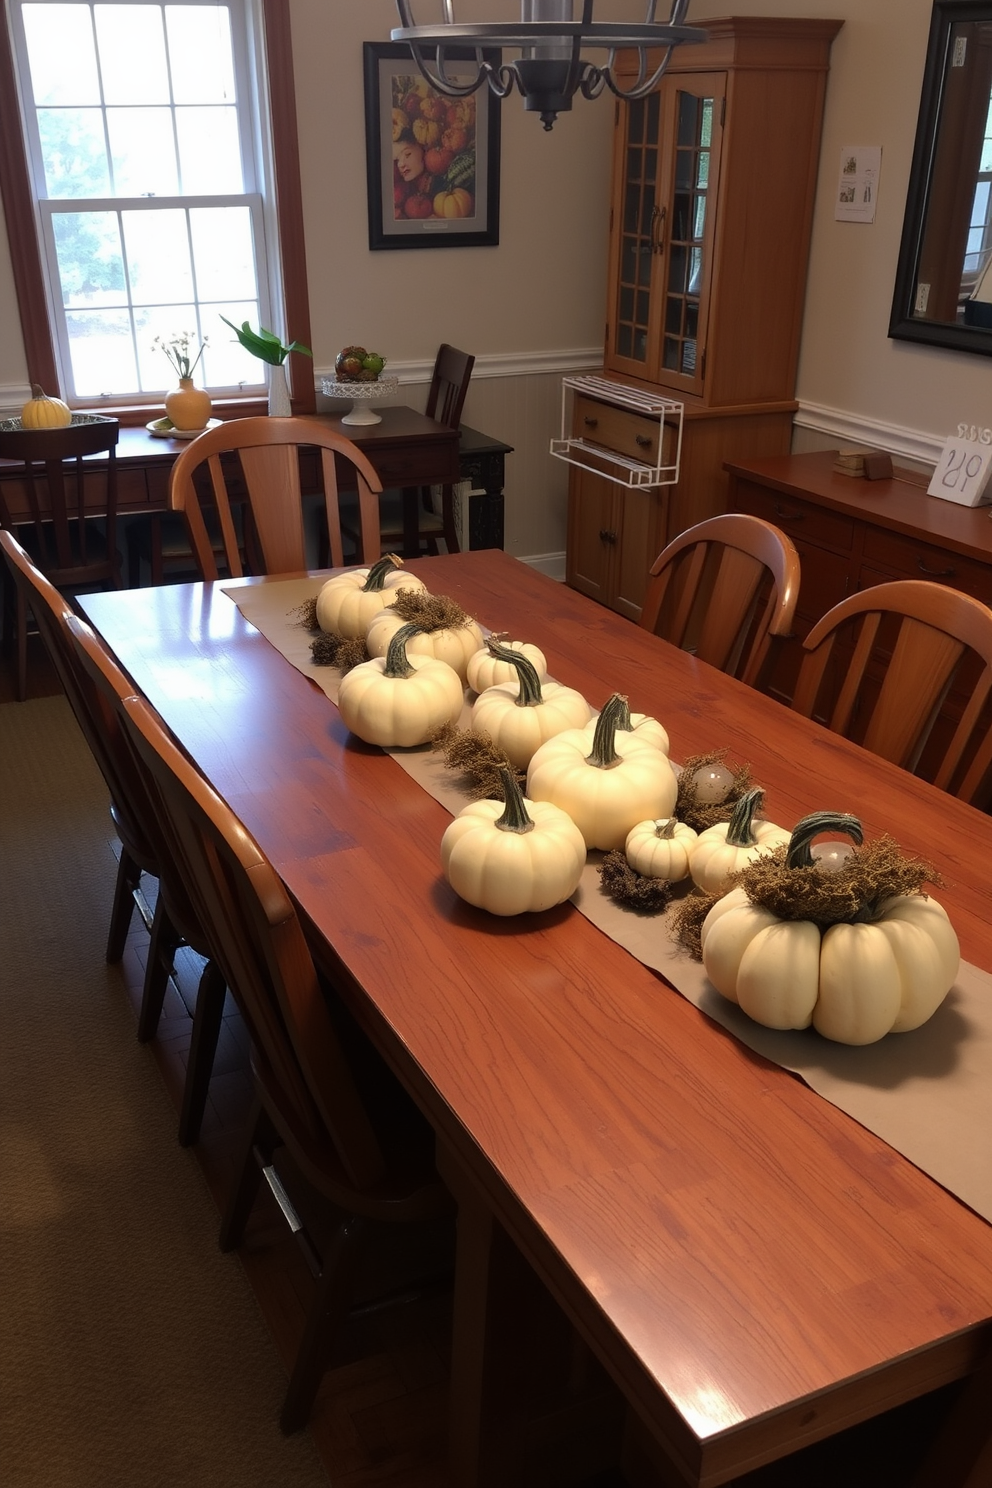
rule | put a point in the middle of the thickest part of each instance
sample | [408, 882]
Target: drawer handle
[591, 423]
[934, 573]
[788, 516]
[643, 441]
[606, 536]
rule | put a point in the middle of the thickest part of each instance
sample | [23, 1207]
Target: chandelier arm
[593, 81]
[640, 89]
[439, 80]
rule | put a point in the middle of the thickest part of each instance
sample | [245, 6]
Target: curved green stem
[739, 827]
[397, 661]
[530, 694]
[799, 855]
[604, 752]
[515, 817]
[376, 580]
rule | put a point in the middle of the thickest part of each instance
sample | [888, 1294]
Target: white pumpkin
[398, 700]
[520, 715]
[660, 849]
[511, 859]
[608, 788]
[487, 670]
[853, 982]
[348, 601]
[455, 646]
[730, 845]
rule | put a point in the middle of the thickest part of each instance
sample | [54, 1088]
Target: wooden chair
[321, 1090]
[917, 638]
[722, 590]
[268, 451]
[92, 682]
[445, 401]
[72, 530]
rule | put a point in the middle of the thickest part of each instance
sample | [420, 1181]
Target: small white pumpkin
[397, 700]
[854, 982]
[348, 601]
[608, 788]
[729, 845]
[487, 670]
[43, 412]
[513, 858]
[455, 645]
[520, 715]
[660, 849]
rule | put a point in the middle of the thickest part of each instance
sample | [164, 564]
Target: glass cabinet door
[663, 230]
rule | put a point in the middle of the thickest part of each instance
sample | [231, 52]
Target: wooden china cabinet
[714, 178]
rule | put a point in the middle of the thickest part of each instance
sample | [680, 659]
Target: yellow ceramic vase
[187, 406]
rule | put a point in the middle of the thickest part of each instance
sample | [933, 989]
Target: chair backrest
[935, 631]
[722, 589]
[99, 724]
[256, 939]
[268, 451]
[60, 497]
[446, 398]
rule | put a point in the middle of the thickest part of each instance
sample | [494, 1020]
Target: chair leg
[333, 1294]
[448, 518]
[21, 644]
[207, 1020]
[128, 877]
[260, 1141]
[165, 941]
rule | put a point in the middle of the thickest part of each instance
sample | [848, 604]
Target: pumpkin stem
[799, 855]
[530, 694]
[37, 391]
[397, 662]
[666, 829]
[377, 573]
[611, 718]
[515, 817]
[739, 827]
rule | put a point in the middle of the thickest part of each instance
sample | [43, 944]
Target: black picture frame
[453, 206]
[905, 322]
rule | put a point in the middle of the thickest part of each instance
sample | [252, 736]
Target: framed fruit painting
[433, 161]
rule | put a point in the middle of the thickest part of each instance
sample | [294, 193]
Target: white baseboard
[552, 564]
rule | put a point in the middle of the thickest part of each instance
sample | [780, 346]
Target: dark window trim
[25, 253]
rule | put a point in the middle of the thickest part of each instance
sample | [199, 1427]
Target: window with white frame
[146, 147]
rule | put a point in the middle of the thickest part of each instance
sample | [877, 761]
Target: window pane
[223, 255]
[143, 151]
[62, 54]
[226, 363]
[155, 371]
[74, 152]
[91, 265]
[209, 151]
[200, 53]
[158, 263]
[102, 352]
[132, 54]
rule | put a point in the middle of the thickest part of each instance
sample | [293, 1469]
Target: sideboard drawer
[815, 524]
[913, 559]
[630, 434]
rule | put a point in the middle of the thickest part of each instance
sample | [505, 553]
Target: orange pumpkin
[456, 203]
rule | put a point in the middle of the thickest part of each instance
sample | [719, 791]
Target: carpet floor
[132, 1352]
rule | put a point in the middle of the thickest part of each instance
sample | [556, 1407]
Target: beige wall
[539, 297]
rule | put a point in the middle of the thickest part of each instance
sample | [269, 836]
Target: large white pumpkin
[520, 716]
[348, 601]
[397, 700]
[455, 645]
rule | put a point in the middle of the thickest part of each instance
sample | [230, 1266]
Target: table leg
[961, 1453]
[411, 521]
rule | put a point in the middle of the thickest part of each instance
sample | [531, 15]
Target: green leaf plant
[265, 344]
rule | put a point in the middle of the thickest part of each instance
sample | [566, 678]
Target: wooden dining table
[754, 1269]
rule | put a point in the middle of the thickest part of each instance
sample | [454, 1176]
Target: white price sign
[962, 473]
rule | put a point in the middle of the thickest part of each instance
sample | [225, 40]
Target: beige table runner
[927, 1093]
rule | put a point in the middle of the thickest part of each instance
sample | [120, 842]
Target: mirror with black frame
[943, 293]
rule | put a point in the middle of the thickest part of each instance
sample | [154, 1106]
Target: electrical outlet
[922, 296]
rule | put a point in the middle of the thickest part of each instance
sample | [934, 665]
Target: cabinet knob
[934, 573]
[591, 423]
[643, 441]
[788, 516]
[607, 536]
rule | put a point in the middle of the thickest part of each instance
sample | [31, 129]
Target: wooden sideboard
[852, 533]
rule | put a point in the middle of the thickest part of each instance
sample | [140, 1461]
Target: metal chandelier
[551, 68]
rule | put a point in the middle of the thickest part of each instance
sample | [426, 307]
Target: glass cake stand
[362, 394]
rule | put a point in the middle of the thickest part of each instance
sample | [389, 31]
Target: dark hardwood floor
[381, 1416]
